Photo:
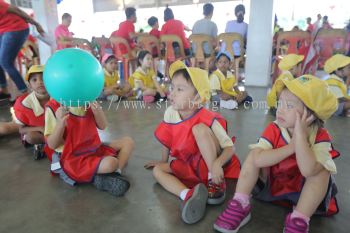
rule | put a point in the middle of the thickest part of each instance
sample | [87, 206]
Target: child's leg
[125, 146]
[207, 143]
[313, 192]
[162, 173]
[108, 164]
[35, 138]
[7, 128]
[249, 175]
[150, 91]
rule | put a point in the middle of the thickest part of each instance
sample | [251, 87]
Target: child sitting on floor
[204, 155]
[338, 67]
[290, 67]
[29, 112]
[224, 86]
[144, 79]
[292, 161]
[80, 156]
[113, 88]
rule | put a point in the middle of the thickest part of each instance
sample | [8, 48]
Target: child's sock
[297, 214]
[119, 171]
[242, 198]
[209, 175]
[183, 194]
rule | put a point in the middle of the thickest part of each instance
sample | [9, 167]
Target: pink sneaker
[233, 218]
[148, 98]
[295, 225]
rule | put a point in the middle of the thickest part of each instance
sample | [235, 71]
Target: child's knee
[157, 170]
[110, 164]
[34, 138]
[128, 142]
[200, 129]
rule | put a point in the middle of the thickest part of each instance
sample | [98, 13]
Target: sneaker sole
[216, 201]
[117, 186]
[223, 230]
[194, 209]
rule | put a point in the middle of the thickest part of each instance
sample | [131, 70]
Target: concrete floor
[33, 201]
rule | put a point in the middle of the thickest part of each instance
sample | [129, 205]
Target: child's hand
[95, 106]
[302, 123]
[152, 164]
[62, 116]
[217, 172]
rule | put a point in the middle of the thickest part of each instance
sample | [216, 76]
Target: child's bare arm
[165, 158]
[306, 158]
[99, 115]
[270, 157]
[55, 139]
[26, 129]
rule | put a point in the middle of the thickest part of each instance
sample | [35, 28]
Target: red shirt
[10, 22]
[124, 29]
[155, 32]
[310, 28]
[175, 27]
[62, 30]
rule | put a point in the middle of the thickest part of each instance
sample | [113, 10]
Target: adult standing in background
[206, 26]
[310, 26]
[317, 23]
[240, 27]
[64, 38]
[14, 30]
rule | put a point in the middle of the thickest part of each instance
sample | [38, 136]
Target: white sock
[119, 171]
[209, 175]
[183, 194]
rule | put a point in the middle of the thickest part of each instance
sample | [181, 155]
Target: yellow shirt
[271, 97]
[173, 116]
[321, 149]
[146, 78]
[50, 121]
[111, 79]
[220, 82]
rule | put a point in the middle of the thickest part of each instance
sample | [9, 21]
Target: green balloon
[73, 77]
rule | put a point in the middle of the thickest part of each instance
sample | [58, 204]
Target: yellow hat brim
[198, 76]
[289, 61]
[34, 69]
[335, 62]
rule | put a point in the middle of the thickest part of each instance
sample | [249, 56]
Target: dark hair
[220, 55]
[168, 14]
[152, 21]
[239, 8]
[111, 57]
[129, 12]
[308, 19]
[208, 9]
[141, 55]
[66, 16]
[32, 75]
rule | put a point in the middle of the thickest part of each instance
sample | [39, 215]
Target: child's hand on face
[152, 164]
[217, 172]
[302, 123]
[62, 115]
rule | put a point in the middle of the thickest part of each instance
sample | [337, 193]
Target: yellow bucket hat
[34, 69]
[289, 61]
[335, 62]
[313, 92]
[198, 76]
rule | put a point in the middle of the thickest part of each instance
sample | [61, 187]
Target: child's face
[111, 65]
[36, 84]
[296, 70]
[288, 107]
[156, 25]
[223, 64]
[344, 73]
[182, 93]
[147, 61]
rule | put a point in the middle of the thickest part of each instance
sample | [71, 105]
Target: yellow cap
[335, 62]
[289, 61]
[313, 92]
[34, 69]
[198, 76]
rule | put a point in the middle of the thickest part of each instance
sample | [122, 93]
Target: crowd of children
[292, 162]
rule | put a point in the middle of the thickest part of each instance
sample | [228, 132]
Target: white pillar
[45, 12]
[259, 43]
